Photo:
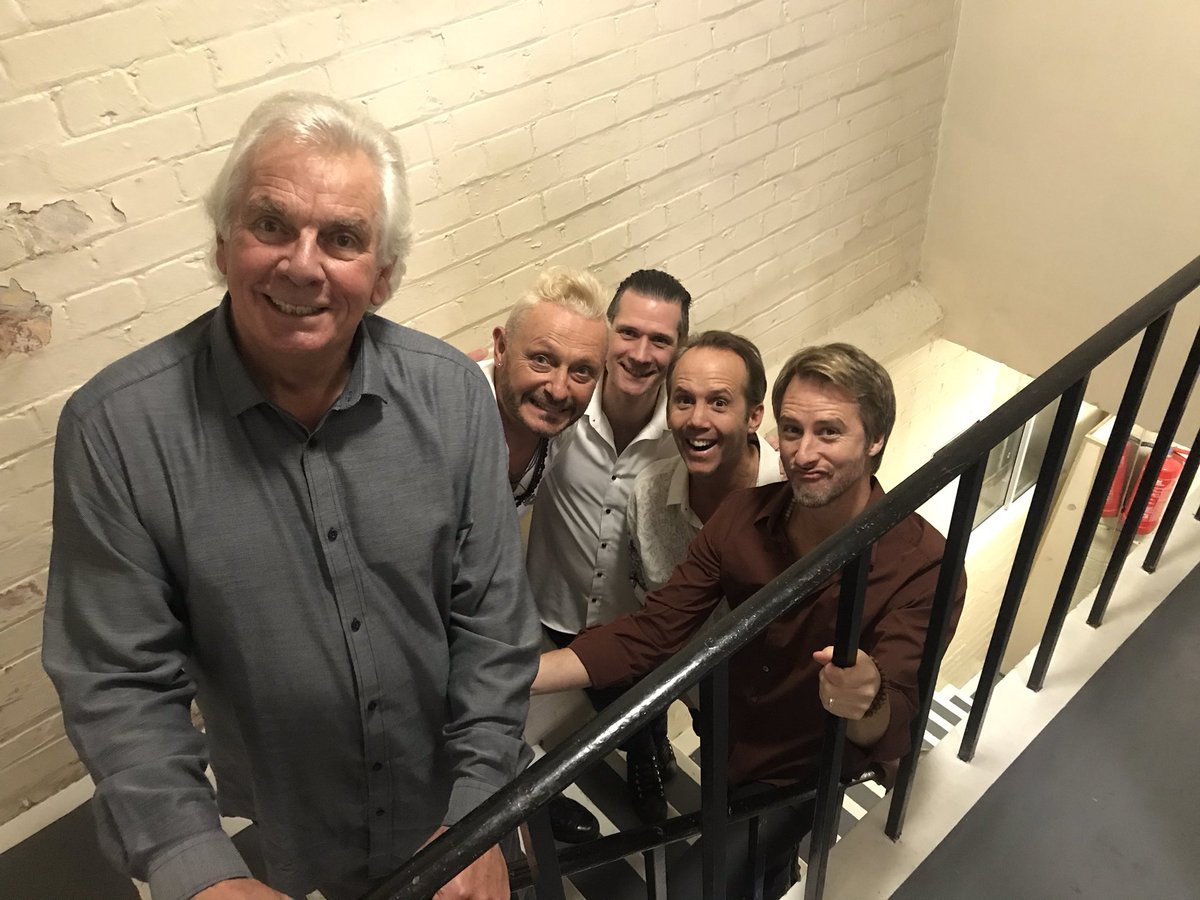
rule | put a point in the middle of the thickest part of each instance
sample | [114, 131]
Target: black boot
[644, 776]
[666, 757]
[571, 823]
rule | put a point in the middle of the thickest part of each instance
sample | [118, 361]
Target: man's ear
[383, 287]
[756, 417]
[876, 447]
[499, 344]
[219, 255]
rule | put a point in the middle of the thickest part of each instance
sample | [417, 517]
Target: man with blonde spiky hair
[547, 361]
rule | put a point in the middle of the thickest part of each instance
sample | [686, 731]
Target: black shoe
[644, 776]
[571, 823]
[666, 758]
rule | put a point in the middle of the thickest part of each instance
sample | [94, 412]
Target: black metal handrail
[528, 793]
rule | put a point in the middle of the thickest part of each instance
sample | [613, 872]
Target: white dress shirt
[661, 520]
[578, 555]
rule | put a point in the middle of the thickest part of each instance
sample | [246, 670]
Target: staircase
[602, 790]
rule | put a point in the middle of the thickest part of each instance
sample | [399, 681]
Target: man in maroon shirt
[835, 408]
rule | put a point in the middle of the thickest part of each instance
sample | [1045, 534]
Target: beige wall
[1067, 179]
[775, 155]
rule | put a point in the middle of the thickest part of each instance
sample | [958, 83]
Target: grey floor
[1105, 803]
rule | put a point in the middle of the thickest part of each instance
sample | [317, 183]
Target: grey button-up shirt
[349, 607]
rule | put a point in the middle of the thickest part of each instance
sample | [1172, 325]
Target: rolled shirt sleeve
[776, 718]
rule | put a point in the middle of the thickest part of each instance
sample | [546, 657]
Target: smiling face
[826, 453]
[301, 260]
[645, 333]
[707, 411]
[547, 370]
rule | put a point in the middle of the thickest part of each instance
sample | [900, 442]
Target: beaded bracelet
[881, 694]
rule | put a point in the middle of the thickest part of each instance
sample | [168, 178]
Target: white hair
[324, 124]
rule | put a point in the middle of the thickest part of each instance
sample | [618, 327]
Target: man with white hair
[296, 513]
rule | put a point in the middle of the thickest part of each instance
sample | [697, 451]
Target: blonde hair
[577, 291]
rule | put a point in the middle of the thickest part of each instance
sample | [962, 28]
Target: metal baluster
[756, 855]
[950, 577]
[656, 873]
[1158, 454]
[714, 779]
[829, 785]
[543, 855]
[1035, 524]
[1134, 390]
[1171, 514]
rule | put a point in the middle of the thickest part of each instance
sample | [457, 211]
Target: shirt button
[614, 478]
[332, 534]
[376, 767]
[379, 811]
[599, 574]
[604, 545]
[595, 599]
[607, 511]
[766, 668]
[355, 624]
[372, 706]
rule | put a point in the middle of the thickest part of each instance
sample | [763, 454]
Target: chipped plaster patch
[24, 323]
[49, 229]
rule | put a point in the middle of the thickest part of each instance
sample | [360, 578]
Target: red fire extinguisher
[1116, 491]
[1163, 485]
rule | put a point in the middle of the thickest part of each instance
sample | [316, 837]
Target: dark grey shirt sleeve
[492, 629]
[115, 647]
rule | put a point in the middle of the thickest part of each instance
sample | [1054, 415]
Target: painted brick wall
[775, 155]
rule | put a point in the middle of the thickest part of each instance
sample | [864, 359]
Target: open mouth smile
[289, 309]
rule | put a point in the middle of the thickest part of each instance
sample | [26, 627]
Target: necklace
[538, 463]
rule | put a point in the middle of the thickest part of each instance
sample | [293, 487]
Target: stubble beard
[513, 404]
[823, 494]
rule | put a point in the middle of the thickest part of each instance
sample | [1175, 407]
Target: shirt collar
[677, 490]
[680, 487]
[488, 368]
[239, 391]
[366, 373]
[653, 430]
[771, 517]
[237, 388]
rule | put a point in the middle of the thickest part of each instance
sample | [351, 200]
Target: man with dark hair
[296, 513]
[835, 409]
[578, 554]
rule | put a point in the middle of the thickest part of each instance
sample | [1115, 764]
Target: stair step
[602, 790]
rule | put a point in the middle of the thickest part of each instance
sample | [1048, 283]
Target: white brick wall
[774, 154]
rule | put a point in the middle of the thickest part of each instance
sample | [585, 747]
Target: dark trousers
[645, 740]
[780, 833]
